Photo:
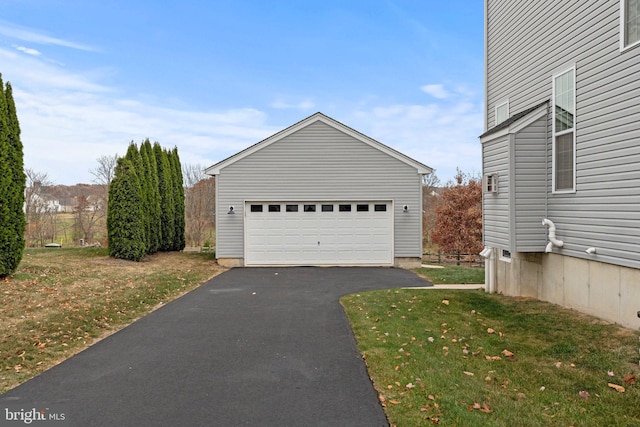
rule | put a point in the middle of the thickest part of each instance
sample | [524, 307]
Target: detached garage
[319, 193]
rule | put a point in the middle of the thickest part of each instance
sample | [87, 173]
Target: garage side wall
[317, 163]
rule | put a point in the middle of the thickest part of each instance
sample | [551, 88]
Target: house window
[505, 255]
[490, 183]
[502, 112]
[630, 23]
[564, 147]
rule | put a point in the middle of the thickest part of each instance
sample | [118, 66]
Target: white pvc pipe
[552, 236]
[489, 262]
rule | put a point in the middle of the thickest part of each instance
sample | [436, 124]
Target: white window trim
[623, 29]
[495, 112]
[493, 176]
[554, 134]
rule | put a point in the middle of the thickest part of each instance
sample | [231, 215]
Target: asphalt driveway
[251, 347]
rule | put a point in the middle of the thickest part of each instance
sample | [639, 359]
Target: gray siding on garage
[319, 162]
[529, 196]
[527, 41]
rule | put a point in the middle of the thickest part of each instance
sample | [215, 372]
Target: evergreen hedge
[12, 184]
[146, 203]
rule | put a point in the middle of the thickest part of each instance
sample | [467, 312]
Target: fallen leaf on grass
[630, 378]
[410, 386]
[431, 397]
[493, 358]
[469, 373]
[482, 408]
[583, 394]
[491, 331]
[508, 354]
[617, 387]
[395, 402]
[521, 395]
[610, 373]
[445, 301]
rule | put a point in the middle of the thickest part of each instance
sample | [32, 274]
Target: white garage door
[318, 233]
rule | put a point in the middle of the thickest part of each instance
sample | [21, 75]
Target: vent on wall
[490, 183]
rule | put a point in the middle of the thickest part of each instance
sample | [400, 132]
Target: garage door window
[380, 208]
[274, 208]
[344, 208]
[327, 208]
[256, 208]
[309, 208]
[362, 208]
[292, 208]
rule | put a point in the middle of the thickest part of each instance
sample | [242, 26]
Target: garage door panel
[324, 236]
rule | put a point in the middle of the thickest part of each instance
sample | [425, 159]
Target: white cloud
[29, 35]
[437, 91]
[68, 120]
[441, 135]
[28, 50]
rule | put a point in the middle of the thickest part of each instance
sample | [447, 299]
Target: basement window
[505, 255]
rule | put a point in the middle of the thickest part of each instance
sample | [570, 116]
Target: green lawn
[468, 358]
[453, 274]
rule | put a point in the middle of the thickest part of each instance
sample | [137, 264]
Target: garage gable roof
[318, 117]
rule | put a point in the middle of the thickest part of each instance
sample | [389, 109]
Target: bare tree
[103, 174]
[430, 198]
[88, 213]
[40, 209]
[199, 200]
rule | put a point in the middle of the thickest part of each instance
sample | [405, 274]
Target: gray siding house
[561, 153]
[319, 193]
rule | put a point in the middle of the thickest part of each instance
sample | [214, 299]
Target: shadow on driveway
[251, 347]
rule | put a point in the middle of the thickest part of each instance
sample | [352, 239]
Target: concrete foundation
[408, 262]
[231, 262]
[405, 262]
[604, 290]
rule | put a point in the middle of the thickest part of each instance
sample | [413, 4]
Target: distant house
[561, 153]
[319, 193]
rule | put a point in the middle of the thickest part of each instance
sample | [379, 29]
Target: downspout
[489, 269]
[552, 236]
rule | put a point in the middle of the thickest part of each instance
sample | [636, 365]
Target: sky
[214, 77]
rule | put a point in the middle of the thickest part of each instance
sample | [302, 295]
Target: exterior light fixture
[405, 208]
[231, 211]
